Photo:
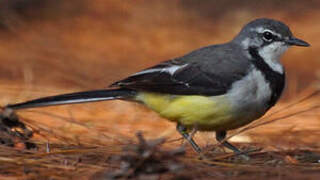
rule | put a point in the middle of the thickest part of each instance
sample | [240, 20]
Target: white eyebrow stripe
[258, 29]
[262, 30]
[170, 69]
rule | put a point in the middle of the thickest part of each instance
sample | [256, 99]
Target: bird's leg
[183, 131]
[220, 136]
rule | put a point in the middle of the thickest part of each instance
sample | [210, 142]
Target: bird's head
[268, 38]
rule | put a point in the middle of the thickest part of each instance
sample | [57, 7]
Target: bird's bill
[297, 42]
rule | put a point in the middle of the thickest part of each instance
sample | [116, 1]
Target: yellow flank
[206, 113]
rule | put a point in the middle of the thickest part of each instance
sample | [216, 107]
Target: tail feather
[78, 97]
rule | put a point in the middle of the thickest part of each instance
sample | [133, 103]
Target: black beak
[292, 41]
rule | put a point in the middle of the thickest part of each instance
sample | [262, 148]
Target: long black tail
[78, 97]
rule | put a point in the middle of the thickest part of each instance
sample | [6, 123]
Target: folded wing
[182, 77]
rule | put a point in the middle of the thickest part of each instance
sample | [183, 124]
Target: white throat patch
[272, 53]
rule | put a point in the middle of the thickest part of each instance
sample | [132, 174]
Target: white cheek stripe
[275, 66]
[272, 53]
[170, 69]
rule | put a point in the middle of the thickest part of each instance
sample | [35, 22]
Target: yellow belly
[206, 113]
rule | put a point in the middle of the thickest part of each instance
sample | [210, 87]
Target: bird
[215, 88]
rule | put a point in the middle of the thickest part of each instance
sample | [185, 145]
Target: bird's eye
[268, 36]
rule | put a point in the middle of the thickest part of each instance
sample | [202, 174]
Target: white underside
[249, 96]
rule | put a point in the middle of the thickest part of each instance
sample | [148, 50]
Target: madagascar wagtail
[214, 88]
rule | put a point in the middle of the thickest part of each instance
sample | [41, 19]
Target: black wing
[202, 72]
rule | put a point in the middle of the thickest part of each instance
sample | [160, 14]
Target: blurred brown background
[49, 47]
[87, 44]
[55, 46]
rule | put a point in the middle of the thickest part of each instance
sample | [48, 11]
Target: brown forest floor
[51, 47]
